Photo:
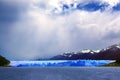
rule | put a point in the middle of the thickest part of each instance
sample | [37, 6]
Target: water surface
[60, 73]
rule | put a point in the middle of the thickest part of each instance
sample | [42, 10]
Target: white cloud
[40, 33]
[111, 2]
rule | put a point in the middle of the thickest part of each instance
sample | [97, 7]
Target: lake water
[60, 73]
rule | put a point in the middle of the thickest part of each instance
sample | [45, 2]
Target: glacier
[60, 63]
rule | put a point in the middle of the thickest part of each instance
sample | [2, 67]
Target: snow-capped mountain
[113, 47]
[89, 51]
[109, 53]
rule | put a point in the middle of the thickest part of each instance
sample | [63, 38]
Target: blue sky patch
[116, 7]
[92, 6]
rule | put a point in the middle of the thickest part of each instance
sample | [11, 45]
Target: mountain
[4, 61]
[109, 53]
[114, 64]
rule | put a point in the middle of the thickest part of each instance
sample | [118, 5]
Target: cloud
[112, 35]
[111, 2]
[38, 31]
[116, 7]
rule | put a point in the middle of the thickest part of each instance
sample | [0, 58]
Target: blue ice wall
[60, 63]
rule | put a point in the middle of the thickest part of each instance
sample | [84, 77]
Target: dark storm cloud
[113, 35]
[8, 13]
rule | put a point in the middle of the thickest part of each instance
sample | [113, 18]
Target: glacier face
[60, 63]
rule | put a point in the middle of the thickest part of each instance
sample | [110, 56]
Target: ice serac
[109, 53]
[59, 63]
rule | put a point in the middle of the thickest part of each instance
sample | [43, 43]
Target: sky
[31, 29]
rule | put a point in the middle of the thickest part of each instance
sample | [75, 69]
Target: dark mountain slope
[109, 53]
[4, 61]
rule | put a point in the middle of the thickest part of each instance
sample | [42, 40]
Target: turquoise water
[61, 63]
